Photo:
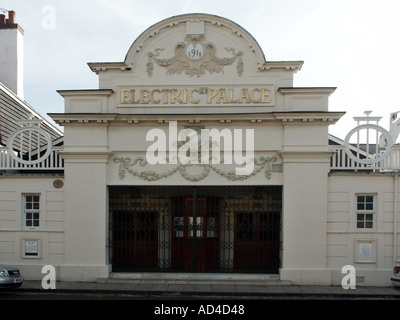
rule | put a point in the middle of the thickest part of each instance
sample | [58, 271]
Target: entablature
[98, 67]
[307, 90]
[254, 118]
[282, 65]
[86, 92]
[308, 117]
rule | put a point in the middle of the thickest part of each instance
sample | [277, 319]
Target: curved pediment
[196, 61]
[193, 46]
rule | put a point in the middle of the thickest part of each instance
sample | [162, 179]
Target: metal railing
[341, 161]
[54, 161]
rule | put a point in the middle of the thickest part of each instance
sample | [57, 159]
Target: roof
[13, 110]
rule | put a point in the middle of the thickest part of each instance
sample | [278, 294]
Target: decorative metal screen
[195, 229]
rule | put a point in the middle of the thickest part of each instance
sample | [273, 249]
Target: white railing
[341, 161]
[53, 161]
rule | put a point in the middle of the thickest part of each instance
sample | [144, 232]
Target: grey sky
[349, 44]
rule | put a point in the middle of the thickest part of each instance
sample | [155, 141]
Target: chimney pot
[11, 17]
[2, 19]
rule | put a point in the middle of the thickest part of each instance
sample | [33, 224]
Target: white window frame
[34, 210]
[366, 211]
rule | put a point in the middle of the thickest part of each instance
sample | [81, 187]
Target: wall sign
[31, 248]
[257, 95]
[365, 250]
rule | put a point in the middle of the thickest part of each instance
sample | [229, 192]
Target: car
[395, 278]
[10, 277]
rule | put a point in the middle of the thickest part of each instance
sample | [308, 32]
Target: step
[196, 279]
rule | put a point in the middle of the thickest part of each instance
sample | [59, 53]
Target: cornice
[285, 65]
[89, 157]
[278, 117]
[87, 92]
[294, 66]
[63, 118]
[15, 26]
[305, 156]
[308, 117]
[307, 90]
[98, 67]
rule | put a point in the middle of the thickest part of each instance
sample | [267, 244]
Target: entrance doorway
[195, 229]
[195, 244]
[134, 238]
[256, 239]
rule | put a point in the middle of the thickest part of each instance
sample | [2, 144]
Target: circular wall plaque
[58, 184]
[194, 51]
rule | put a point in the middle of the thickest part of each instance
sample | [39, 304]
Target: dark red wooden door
[256, 243]
[195, 236]
[135, 239]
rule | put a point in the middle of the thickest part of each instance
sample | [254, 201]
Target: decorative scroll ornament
[377, 145]
[194, 57]
[126, 165]
[30, 144]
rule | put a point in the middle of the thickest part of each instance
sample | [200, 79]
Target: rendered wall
[51, 233]
[105, 135]
[343, 238]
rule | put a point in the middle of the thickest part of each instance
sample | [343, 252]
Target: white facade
[345, 241]
[202, 72]
[12, 55]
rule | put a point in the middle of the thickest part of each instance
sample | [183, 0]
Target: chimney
[11, 53]
[11, 17]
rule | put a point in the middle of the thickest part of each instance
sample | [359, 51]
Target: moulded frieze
[87, 157]
[127, 164]
[306, 156]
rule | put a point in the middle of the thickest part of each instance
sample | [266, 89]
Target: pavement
[229, 290]
[201, 299]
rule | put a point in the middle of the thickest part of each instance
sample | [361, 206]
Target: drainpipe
[395, 214]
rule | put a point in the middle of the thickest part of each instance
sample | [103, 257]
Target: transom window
[365, 211]
[31, 210]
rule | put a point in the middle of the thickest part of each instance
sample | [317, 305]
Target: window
[211, 227]
[365, 211]
[198, 226]
[179, 225]
[31, 210]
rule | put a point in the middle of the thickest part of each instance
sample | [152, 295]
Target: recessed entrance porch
[195, 229]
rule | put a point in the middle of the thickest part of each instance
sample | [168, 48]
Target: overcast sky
[353, 45]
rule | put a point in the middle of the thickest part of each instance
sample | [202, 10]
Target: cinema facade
[198, 157]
